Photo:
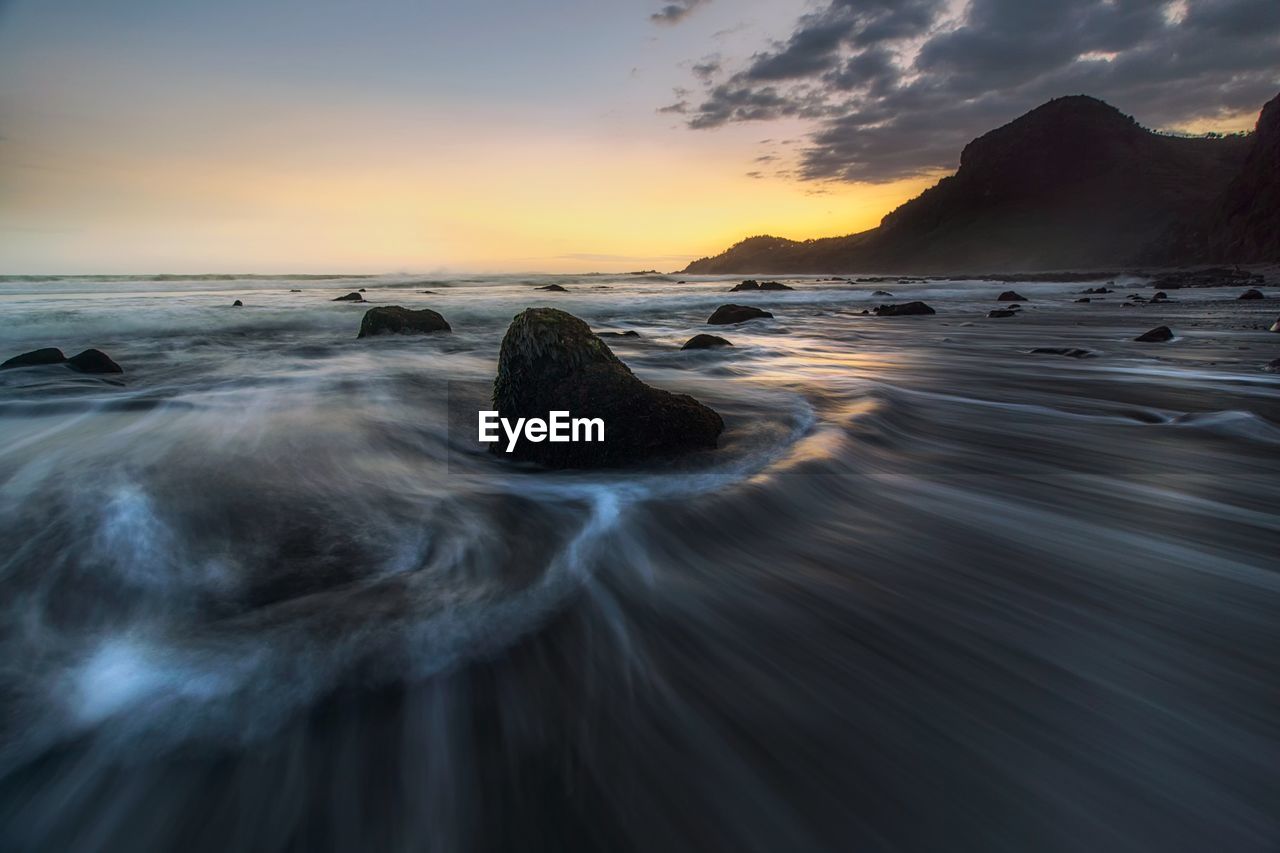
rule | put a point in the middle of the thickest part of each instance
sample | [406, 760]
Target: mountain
[1243, 227]
[1074, 183]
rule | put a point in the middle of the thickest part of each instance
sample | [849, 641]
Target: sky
[145, 136]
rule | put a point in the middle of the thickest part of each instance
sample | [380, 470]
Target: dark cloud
[897, 88]
[674, 13]
[707, 68]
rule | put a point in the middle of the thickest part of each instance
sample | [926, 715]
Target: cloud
[895, 89]
[674, 13]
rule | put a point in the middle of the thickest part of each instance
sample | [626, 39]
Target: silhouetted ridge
[1074, 183]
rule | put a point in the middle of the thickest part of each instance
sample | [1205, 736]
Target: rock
[1001, 312]
[237, 304]
[1084, 299]
[906, 309]
[1069, 352]
[555, 288]
[48, 355]
[881, 293]
[350, 297]
[1275, 327]
[726, 314]
[362, 290]
[1158, 335]
[432, 292]
[551, 361]
[752, 284]
[629, 333]
[1273, 366]
[295, 290]
[705, 342]
[680, 282]
[1160, 296]
[1252, 293]
[1096, 291]
[1011, 296]
[395, 320]
[93, 361]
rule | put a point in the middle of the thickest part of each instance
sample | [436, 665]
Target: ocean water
[932, 592]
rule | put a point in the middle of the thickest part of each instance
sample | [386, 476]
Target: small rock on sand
[705, 342]
[35, 358]
[1158, 335]
[726, 314]
[93, 361]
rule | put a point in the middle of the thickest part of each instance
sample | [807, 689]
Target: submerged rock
[881, 293]
[35, 358]
[629, 333]
[997, 313]
[1273, 366]
[350, 297]
[395, 320]
[1252, 293]
[1160, 296]
[1084, 299]
[705, 342]
[1069, 352]
[1011, 296]
[1158, 335]
[726, 314]
[752, 284]
[551, 361]
[295, 290]
[93, 361]
[237, 304]
[555, 288]
[906, 309]
[1096, 291]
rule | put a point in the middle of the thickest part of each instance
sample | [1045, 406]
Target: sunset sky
[544, 135]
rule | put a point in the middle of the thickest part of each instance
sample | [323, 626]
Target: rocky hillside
[1243, 227]
[1073, 183]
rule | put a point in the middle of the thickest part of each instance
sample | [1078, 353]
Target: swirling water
[932, 592]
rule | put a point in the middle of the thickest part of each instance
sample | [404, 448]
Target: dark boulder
[1011, 296]
[295, 290]
[629, 333]
[1096, 291]
[551, 361]
[705, 342]
[997, 313]
[1069, 352]
[48, 355]
[881, 293]
[237, 304]
[1160, 296]
[1273, 366]
[1252, 293]
[555, 288]
[751, 284]
[93, 361]
[1158, 335]
[1084, 299]
[395, 320]
[726, 314]
[350, 297]
[906, 309]
[362, 290]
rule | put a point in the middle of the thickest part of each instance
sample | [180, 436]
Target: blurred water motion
[933, 592]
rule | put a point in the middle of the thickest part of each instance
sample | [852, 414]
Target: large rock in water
[705, 342]
[93, 361]
[395, 320]
[906, 309]
[48, 355]
[551, 361]
[726, 314]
